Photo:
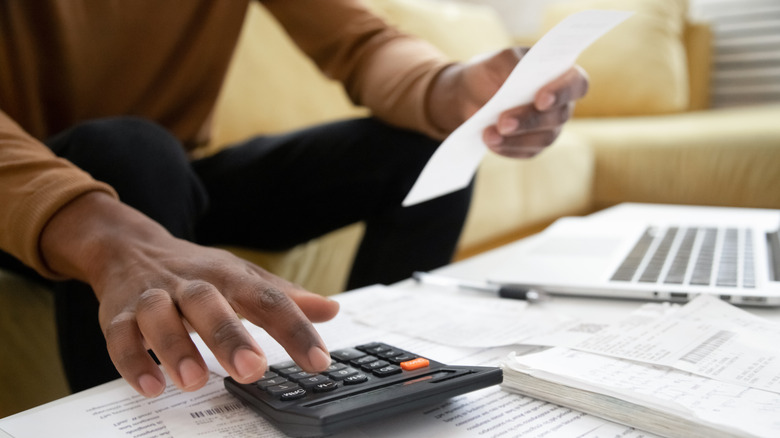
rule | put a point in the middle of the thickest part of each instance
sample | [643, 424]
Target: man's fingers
[269, 307]
[525, 145]
[316, 307]
[217, 324]
[566, 88]
[162, 327]
[520, 120]
[125, 347]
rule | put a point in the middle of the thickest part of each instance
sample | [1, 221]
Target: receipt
[455, 162]
[707, 337]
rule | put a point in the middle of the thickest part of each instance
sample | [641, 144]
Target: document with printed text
[659, 399]
[706, 336]
[116, 410]
[483, 319]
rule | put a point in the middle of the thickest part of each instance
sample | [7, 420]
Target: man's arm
[409, 83]
[149, 283]
[520, 132]
[64, 224]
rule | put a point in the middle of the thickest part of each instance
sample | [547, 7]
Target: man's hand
[151, 285]
[522, 131]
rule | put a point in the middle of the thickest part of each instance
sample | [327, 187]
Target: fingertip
[544, 100]
[335, 306]
[317, 307]
[249, 365]
[491, 137]
[508, 125]
[319, 358]
[192, 374]
[150, 386]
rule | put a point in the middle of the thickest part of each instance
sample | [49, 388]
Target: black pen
[503, 291]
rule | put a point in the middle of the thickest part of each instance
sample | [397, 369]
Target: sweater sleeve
[381, 68]
[34, 185]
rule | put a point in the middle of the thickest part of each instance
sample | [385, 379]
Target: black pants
[270, 193]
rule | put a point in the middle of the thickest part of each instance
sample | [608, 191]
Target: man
[100, 103]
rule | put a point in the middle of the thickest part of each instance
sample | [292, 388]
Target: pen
[503, 291]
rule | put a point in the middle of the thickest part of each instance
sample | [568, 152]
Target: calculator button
[414, 364]
[341, 374]
[335, 367]
[390, 353]
[375, 349]
[346, 354]
[299, 376]
[289, 370]
[356, 379]
[362, 360]
[369, 345]
[330, 385]
[293, 395]
[268, 375]
[387, 371]
[265, 383]
[402, 358]
[280, 389]
[313, 381]
[278, 366]
[375, 364]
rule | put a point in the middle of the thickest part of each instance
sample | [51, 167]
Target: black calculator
[364, 383]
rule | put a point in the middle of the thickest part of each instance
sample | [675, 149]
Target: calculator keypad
[350, 367]
[364, 383]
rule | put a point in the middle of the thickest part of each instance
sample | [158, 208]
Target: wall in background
[746, 63]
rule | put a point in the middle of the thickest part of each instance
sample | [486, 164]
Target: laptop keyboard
[696, 256]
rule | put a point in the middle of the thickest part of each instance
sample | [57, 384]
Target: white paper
[492, 413]
[121, 412]
[455, 162]
[451, 317]
[707, 336]
[724, 405]
[115, 409]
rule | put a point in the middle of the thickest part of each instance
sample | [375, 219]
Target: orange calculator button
[414, 364]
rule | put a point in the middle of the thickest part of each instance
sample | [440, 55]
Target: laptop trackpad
[591, 247]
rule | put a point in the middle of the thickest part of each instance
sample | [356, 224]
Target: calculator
[364, 383]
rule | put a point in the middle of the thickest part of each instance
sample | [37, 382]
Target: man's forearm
[85, 235]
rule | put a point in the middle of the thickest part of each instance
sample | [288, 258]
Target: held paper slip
[455, 162]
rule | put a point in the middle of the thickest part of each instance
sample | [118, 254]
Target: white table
[474, 268]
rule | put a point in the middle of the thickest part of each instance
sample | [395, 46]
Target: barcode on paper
[232, 407]
[710, 345]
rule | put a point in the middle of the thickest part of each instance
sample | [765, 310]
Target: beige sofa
[643, 134]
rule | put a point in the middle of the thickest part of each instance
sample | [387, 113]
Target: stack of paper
[705, 370]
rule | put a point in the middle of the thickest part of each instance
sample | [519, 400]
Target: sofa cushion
[273, 87]
[460, 30]
[514, 197]
[639, 67]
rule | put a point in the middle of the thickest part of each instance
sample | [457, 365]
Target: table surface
[474, 268]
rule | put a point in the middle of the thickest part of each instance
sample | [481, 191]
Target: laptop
[654, 252]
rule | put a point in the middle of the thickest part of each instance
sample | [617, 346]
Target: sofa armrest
[30, 370]
[727, 157]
